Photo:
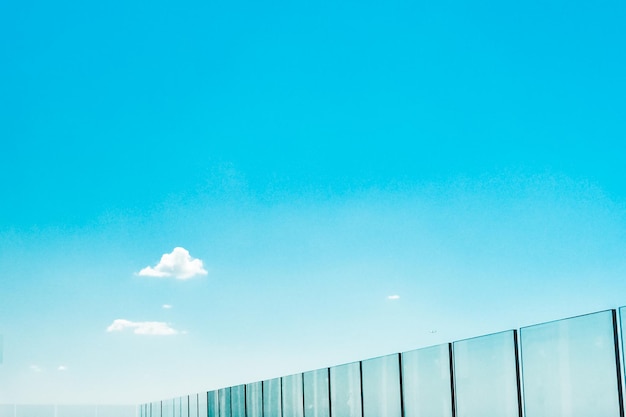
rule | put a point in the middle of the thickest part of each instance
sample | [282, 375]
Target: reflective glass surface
[193, 405]
[254, 399]
[7, 410]
[114, 411]
[271, 398]
[426, 381]
[316, 395]
[381, 387]
[345, 390]
[293, 396]
[485, 376]
[569, 367]
[238, 401]
[213, 404]
[167, 408]
[202, 405]
[224, 402]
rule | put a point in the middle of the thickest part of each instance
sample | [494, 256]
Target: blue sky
[357, 178]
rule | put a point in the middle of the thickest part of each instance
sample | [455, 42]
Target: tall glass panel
[224, 401]
[238, 401]
[185, 402]
[381, 387]
[570, 367]
[293, 396]
[203, 405]
[426, 389]
[177, 407]
[193, 405]
[254, 399]
[345, 390]
[485, 376]
[156, 409]
[213, 404]
[168, 408]
[272, 398]
[316, 394]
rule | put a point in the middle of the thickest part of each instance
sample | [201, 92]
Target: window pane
[485, 376]
[293, 396]
[213, 404]
[34, 411]
[316, 399]
[569, 367]
[345, 390]
[271, 398]
[254, 400]
[426, 382]
[238, 401]
[224, 401]
[381, 387]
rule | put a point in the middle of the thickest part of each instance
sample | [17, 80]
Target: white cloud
[167, 306]
[142, 327]
[178, 264]
[62, 368]
[393, 297]
[35, 368]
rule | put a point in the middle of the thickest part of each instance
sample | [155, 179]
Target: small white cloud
[142, 327]
[62, 368]
[178, 264]
[393, 297]
[35, 368]
[167, 306]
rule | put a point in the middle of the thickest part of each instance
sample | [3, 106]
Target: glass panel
[271, 398]
[157, 409]
[569, 367]
[213, 404]
[293, 396]
[426, 382]
[202, 405]
[254, 399]
[224, 401]
[345, 390]
[316, 398]
[193, 405]
[177, 407]
[381, 387]
[485, 376]
[238, 401]
[167, 408]
[185, 406]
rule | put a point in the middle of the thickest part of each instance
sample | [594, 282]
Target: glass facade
[566, 368]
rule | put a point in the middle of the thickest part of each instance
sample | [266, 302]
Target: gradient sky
[357, 178]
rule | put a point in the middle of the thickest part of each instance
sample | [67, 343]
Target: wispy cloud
[142, 327]
[62, 368]
[393, 297]
[35, 368]
[178, 264]
[166, 306]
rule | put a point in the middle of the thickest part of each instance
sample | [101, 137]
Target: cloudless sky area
[357, 178]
